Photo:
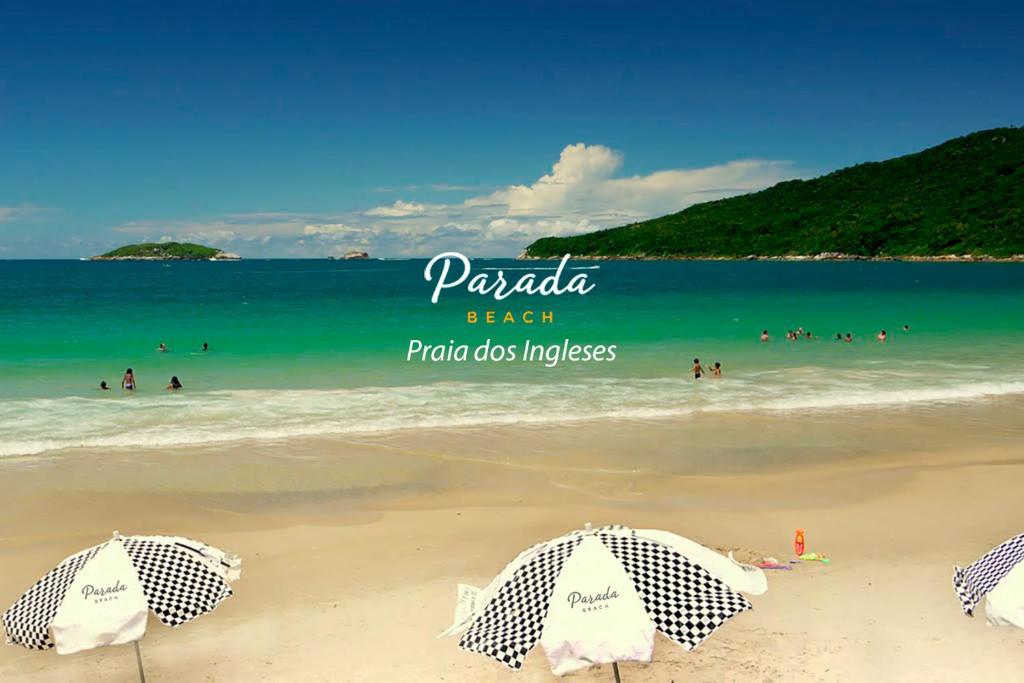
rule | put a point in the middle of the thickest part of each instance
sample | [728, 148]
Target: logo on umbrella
[592, 601]
[103, 593]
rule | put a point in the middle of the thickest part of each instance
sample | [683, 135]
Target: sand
[352, 548]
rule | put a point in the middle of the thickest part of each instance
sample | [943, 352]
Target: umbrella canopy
[597, 596]
[101, 595]
[999, 578]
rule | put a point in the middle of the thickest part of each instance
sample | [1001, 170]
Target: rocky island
[166, 251]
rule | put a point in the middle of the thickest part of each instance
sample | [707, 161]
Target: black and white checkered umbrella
[999, 577]
[598, 595]
[102, 595]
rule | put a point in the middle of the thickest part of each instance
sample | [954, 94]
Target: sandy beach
[352, 548]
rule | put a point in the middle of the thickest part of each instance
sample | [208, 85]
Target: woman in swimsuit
[697, 369]
[174, 385]
[128, 381]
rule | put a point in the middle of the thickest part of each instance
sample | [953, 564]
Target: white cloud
[9, 214]
[398, 210]
[328, 229]
[582, 192]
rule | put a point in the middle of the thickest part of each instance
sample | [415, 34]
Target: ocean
[317, 347]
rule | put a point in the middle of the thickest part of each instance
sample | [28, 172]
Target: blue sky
[305, 129]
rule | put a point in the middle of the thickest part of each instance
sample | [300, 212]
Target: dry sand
[352, 549]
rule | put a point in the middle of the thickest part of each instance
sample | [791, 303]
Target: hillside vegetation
[164, 251]
[965, 196]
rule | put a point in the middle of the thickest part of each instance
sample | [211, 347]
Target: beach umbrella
[597, 596]
[102, 595]
[999, 578]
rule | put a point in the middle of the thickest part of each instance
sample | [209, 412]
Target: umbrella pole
[138, 658]
[615, 670]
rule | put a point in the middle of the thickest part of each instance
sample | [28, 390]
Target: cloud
[329, 229]
[399, 209]
[583, 191]
[9, 214]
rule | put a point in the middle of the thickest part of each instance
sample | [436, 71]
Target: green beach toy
[815, 557]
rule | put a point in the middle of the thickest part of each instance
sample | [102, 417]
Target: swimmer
[128, 381]
[839, 336]
[162, 348]
[764, 335]
[697, 369]
[849, 338]
[206, 347]
[174, 385]
[882, 336]
[717, 370]
[103, 386]
[906, 328]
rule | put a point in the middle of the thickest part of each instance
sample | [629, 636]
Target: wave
[33, 426]
[542, 268]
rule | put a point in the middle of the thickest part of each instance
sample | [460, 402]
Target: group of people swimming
[800, 333]
[792, 335]
[128, 382]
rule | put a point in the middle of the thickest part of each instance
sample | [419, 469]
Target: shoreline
[827, 258]
[910, 426]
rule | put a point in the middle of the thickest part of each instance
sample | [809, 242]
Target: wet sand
[352, 548]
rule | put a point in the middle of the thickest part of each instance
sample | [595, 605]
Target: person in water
[717, 370]
[162, 348]
[906, 328]
[128, 381]
[697, 369]
[764, 336]
[103, 386]
[839, 336]
[174, 384]
[882, 336]
[206, 347]
[849, 338]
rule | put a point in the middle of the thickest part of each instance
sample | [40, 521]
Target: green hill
[154, 251]
[965, 196]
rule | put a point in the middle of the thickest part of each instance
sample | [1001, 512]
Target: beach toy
[815, 557]
[772, 565]
[799, 545]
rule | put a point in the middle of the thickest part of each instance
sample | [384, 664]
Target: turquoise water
[319, 347]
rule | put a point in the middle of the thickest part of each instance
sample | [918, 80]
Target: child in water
[717, 370]
[103, 386]
[697, 369]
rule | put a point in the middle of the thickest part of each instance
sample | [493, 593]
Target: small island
[166, 251]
